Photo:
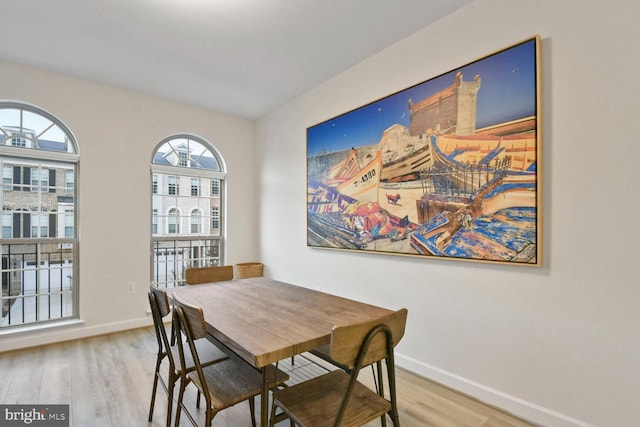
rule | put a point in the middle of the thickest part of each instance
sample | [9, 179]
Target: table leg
[264, 399]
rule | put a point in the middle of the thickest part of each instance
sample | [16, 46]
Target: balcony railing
[173, 255]
[37, 281]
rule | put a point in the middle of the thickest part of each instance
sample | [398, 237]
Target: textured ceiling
[243, 57]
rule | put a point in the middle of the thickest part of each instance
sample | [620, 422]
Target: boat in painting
[360, 183]
[344, 170]
[363, 185]
[483, 199]
[343, 210]
[404, 155]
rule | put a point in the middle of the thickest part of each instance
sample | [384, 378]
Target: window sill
[40, 327]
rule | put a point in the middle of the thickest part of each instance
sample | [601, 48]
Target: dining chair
[324, 353]
[160, 308]
[223, 384]
[217, 273]
[338, 398]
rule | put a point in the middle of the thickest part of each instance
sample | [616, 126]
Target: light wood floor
[107, 381]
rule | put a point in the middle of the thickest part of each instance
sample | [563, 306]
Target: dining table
[263, 321]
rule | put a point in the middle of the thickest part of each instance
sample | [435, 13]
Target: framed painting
[448, 168]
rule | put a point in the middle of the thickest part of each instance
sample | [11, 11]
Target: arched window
[196, 221]
[187, 188]
[173, 221]
[39, 161]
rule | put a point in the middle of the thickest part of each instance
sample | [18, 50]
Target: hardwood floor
[107, 382]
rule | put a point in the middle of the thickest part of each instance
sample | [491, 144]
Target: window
[181, 226]
[196, 216]
[7, 223]
[174, 185]
[215, 220]
[7, 177]
[215, 188]
[39, 242]
[154, 222]
[16, 141]
[183, 159]
[69, 179]
[39, 224]
[173, 221]
[39, 179]
[195, 187]
[68, 223]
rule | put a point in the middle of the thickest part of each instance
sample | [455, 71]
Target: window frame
[196, 187]
[193, 170]
[195, 219]
[174, 217]
[33, 155]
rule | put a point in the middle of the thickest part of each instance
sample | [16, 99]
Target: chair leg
[252, 408]
[272, 416]
[380, 388]
[209, 417]
[394, 418]
[179, 404]
[155, 388]
[170, 387]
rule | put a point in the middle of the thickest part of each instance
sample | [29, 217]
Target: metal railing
[171, 256]
[37, 281]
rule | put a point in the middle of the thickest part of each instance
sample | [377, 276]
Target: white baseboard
[529, 411]
[64, 331]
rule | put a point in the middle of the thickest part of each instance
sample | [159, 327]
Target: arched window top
[29, 127]
[188, 151]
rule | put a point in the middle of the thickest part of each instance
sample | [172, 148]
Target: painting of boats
[449, 168]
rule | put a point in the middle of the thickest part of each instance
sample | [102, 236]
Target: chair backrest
[364, 344]
[161, 300]
[197, 275]
[159, 303]
[191, 320]
[347, 341]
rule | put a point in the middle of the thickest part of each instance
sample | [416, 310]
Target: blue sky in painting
[507, 92]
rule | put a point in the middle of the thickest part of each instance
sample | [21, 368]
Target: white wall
[556, 344]
[117, 132]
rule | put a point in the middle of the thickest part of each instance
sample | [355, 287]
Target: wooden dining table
[263, 321]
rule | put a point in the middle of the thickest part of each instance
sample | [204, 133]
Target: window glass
[195, 187]
[195, 221]
[186, 186]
